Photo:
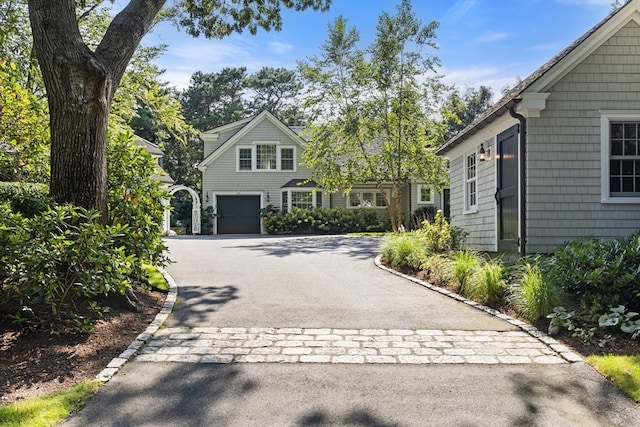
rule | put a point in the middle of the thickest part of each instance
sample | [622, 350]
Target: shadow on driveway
[361, 247]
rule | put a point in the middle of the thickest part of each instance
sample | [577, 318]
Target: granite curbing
[144, 337]
[552, 343]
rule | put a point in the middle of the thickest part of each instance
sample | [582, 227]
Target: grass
[155, 278]
[534, 297]
[48, 410]
[623, 371]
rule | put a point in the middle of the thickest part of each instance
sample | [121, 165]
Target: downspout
[522, 147]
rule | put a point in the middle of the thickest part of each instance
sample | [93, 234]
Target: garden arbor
[195, 210]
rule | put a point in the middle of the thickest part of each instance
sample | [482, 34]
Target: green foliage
[563, 319]
[488, 285]
[422, 214]
[135, 200]
[618, 316]
[465, 265]
[599, 273]
[532, 295]
[373, 108]
[24, 132]
[439, 236]
[322, 221]
[404, 250]
[25, 198]
[440, 269]
[459, 111]
[72, 258]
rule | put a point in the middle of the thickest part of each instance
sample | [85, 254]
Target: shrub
[439, 236]
[322, 221]
[422, 214]
[465, 264]
[135, 201]
[439, 267]
[404, 250]
[599, 273]
[488, 285]
[25, 198]
[532, 295]
[73, 259]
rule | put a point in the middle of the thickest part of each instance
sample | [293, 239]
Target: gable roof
[552, 71]
[244, 126]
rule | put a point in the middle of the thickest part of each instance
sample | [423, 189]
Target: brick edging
[118, 362]
[564, 351]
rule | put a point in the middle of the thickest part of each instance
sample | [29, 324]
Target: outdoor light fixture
[268, 198]
[206, 198]
[484, 154]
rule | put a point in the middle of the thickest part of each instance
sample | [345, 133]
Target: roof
[514, 96]
[301, 183]
[149, 146]
[244, 126]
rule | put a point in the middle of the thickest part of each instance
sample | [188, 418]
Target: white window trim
[374, 191]
[606, 117]
[432, 195]
[313, 192]
[469, 209]
[254, 157]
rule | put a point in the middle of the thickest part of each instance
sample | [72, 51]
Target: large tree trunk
[80, 85]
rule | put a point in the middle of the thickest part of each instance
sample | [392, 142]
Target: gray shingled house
[255, 162]
[558, 157]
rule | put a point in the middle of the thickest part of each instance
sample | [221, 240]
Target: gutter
[523, 175]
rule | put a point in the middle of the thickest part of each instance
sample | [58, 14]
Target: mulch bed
[36, 362]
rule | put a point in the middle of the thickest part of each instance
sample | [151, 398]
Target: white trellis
[195, 212]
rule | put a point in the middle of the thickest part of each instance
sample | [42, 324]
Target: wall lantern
[206, 198]
[484, 154]
[268, 198]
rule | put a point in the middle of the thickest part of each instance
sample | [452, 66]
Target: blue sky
[481, 42]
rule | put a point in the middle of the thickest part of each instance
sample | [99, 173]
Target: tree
[276, 90]
[372, 110]
[215, 99]
[80, 82]
[24, 134]
[458, 111]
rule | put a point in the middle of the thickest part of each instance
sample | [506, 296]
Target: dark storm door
[446, 202]
[238, 214]
[507, 191]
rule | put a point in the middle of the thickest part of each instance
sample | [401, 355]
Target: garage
[238, 214]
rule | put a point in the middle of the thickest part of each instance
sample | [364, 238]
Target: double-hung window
[425, 194]
[301, 199]
[365, 199]
[266, 157]
[471, 183]
[620, 167]
[261, 157]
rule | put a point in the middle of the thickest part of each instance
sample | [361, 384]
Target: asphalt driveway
[257, 290]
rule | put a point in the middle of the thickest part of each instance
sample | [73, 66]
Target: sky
[480, 42]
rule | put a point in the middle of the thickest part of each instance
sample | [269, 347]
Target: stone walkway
[327, 345]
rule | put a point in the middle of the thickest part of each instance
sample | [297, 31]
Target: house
[255, 162]
[157, 155]
[558, 157]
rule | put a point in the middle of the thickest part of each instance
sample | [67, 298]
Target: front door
[507, 191]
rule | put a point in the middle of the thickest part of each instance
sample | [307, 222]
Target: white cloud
[279, 48]
[493, 37]
[492, 77]
[458, 10]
